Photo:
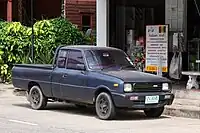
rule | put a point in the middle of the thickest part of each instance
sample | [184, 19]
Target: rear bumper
[137, 100]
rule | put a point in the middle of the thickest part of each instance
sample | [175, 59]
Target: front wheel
[154, 112]
[36, 98]
[104, 106]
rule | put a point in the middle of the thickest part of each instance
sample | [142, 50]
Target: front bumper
[137, 100]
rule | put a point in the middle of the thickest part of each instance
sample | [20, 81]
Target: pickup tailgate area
[24, 75]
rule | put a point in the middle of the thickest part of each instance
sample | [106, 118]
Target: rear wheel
[104, 106]
[36, 98]
[154, 112]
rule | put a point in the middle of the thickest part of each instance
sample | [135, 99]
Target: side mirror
[81, 67]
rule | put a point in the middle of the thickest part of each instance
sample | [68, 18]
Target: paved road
[17, 117]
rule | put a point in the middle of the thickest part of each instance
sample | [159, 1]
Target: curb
[179, 111]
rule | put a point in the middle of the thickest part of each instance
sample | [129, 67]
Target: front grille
[147, 87]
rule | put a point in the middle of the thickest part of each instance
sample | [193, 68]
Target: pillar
[174, 14]
[65, 15]
[9, 10]
[102, 23]
[176, 17]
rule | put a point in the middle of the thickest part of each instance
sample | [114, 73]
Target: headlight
[165, 86]
[127, 87]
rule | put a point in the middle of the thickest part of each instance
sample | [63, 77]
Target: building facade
[20, 10]
[6, 10]
[172, 12]
[115, 18]
[80, 12]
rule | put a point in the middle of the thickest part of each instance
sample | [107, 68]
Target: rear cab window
[62, 58]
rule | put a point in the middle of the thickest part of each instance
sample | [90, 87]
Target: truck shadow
[122, 115]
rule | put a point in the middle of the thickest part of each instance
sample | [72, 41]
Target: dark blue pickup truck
[89, 75]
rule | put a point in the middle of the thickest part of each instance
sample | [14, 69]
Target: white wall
[102, 22]
[174, 14]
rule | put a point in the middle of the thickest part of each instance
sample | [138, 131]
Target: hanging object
[175, 66]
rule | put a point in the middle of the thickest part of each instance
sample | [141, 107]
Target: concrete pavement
[17, 117]
[186, 102]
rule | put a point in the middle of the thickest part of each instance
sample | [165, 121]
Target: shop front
[122, 24]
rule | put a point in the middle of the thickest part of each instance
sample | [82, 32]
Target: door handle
[64, 75]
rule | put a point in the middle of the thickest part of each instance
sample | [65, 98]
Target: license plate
[151, 99]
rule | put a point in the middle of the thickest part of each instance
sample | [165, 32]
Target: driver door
[74, 78]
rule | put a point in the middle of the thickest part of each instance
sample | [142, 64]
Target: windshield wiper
[110, 66]
[127, 66]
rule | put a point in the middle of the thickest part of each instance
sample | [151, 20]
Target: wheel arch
[31, 84]
[101, 89]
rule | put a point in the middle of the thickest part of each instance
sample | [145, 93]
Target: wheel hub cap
[103, 106]
[35, 97]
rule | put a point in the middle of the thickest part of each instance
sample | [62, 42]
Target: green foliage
[49, 34]
[15, 42]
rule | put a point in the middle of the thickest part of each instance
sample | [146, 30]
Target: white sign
[156, 47]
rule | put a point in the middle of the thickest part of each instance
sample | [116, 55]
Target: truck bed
[25, 74]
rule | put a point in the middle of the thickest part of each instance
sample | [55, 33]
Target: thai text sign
[156, 47]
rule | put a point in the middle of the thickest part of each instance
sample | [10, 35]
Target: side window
[61, 60]
[74, 57]
[91, 60]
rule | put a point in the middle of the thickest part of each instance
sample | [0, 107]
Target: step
[186, 102]
[183, 111]
[187, 94]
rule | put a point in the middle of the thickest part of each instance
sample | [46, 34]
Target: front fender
[102, 86]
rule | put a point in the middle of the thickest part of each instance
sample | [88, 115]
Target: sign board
[156, 47]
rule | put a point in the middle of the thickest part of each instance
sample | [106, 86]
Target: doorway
[125, 15]
[193, 34]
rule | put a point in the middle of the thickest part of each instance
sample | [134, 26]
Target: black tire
[37, 99]
[154, 112]
[105, 112]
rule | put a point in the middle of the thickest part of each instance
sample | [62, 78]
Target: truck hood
[135, 76]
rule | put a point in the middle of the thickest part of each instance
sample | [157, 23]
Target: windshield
[104, 59]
